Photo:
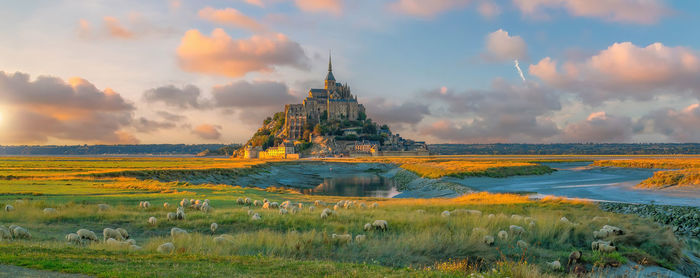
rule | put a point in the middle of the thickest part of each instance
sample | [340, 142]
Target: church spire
[330, 66]
[329, 76]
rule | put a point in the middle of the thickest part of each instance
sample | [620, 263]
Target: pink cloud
[207, 131]
[221, 55]
[320, 6]
[627, 11]
[115, 28]
[599, 127]
[426, 9]
[489, 9]
[233, 17]
[501, 46]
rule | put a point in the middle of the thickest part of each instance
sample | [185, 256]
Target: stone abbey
[334, 102]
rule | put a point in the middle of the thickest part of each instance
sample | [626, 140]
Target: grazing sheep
[184, 202]
[5, 233]
[111, 241]
[123, 232]
[502, 235]
[166, 248]
[295, 210]
[205, 208]
[21, 233]
[12, 229]
[574, 256]
[223, 239]
[213, 227]
[607, 231]
[363, 206]
[257, 203]
[266, 206]
[374, 205]
[472, 212]
[145, 204]
[103, 207]
[176, 232]
[360, 238]
[345, 238]
[419, 211]
[607, 248]
[603, 246]
[255, 217]
[283, 211]
[324, 215]
[108, 233]
[516, 217]
[556, 265]
[336, 207]
[381, 225]
[171, 216]
[445, 214]
[367, 227]
[522, 244]
[131, 241]
[516, 230]
[251, 212]
[246, 201]
[49, 210]
[311, 208]
[87, 234]
[265, 200]
[192, 201]
[274, 205]
[614, 230]
[166, 205]
[564, 220]
[489, 240]
[73, 238]
[154, 221]
[180, 213]
[198, 202]
[240, 201]
[9, 208]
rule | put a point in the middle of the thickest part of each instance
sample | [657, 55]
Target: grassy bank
[686, 171]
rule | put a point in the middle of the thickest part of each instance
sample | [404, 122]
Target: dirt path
[23, 272]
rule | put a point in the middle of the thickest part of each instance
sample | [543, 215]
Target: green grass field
[419, 242]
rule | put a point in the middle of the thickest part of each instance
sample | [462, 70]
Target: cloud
[383, 111]
[170, 116]
[256, 94]
[115, 29]
[678, 125]
[500, 46]
[599, 127]
[489, 9]
[147, 126]
[221, 55]
[207, 131]
[626, 71]
[258, 3]
[185, 97]
[320, 6]
[626, 11]
[426, 9]
[47, 108]
[503, 113]
[233, 17]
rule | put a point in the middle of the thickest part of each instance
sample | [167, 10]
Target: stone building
[334, 102]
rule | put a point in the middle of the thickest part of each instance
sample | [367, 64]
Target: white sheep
[108, 233]
[9, 208]
[223, 239]
[87, 234]
[445, 213]
[283, 211]
[516, 230]
[166, 205]
[502, 235]
[73, 238]
[205, 208]
[489, 240]
[103, 207]
[374, 205]
[516, 217]
[295, 210]
[131, 241]
[49, 210]
[123, 232]
[180, 213]
[213, 227]
[5, 233]
[324, 215]
[265, 200]
[240, 201]
[111, 241]
[419, 211]
[251, 212]
[266, 206]
[360, 238]
[381, 225]
[171, 216]
[522, 244]
[257, 203]
[565, 220]
[247, 201]
[255, 217]
[367, 227]
[22, 233]
[177, 232]
[345, 238]
[336, 207]
[166, 248]
[145, 205]
[614, 230]
[153, 220]
[274, 205]
[12, 229]
[319, 203]
[184, 202]
[556, 265]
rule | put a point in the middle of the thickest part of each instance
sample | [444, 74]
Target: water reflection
[369, 185]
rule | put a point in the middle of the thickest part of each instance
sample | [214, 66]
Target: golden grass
[687, 171]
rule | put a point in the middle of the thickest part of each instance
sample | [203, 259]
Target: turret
[330, 79]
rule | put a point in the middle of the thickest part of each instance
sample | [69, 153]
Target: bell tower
[330, 79]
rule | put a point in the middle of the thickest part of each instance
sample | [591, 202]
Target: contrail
[517, 66]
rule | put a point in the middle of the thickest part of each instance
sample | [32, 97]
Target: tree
[361, 116]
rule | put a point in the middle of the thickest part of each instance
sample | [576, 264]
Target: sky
[441, 71]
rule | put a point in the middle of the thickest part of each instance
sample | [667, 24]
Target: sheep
[73, 238]
[21, 233]
[467, 212]
[223, 239]
[445, 214]
[192, 201]
[145, 205]
[574, 256]
[255, 217]
[516, 230]
[614, 230]
[531, 225]
[108, 233]
[374, 205]
[324, 215]
[381, 225]
[131, 241]
[419, 211]
[489, 240]
[363, 206]
[166, 205]
[283, 211]
[103, 207]
[123, 232]
[171, 216]
[266, 206]
[246, 201]
[205, 208]
[336, 207]
[87, 234]
[516, 217]
[360, 238]
[491, 216]
[184, 202]
[49, 210]
[554, 265]
[197, 206]
[522, 244]
[180, 213]
[565, 220]
[166, 248]
[607, 231]
[257, 203]
[265, 201]
[603, 246]
[345, 238]
[154, 221]
[213, 227]
[502, 235]
[607, 248]
[274, 205]
[251, 212]
[134, 247]
[295, 210]
[311, 208]
[9, 208]
[240, 201]
[319, 203]
[12, 229]
[177, 232]
[5, 233]
[112, 241]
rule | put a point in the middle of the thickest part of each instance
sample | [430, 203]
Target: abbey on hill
[328, 122]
